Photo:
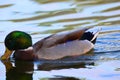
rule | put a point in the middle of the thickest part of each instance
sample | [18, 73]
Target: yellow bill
[6, 55]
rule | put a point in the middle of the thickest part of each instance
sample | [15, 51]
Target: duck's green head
[16, 40]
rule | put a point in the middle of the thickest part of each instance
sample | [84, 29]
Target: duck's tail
[91, 36]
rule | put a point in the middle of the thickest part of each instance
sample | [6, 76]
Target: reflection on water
[50, 70]
[23, 70]
[41, 18]
[19, 71]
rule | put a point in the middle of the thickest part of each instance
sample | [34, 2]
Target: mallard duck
[55, 46]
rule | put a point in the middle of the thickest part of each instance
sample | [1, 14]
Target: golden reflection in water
[49, 1]
[82, 14]
[6, 5]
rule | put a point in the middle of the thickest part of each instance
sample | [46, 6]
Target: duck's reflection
[62, 65]
[23, 70]
[20, 71]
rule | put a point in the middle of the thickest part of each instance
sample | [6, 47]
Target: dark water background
[41, 18]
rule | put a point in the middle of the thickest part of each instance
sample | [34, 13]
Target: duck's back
[71, 48]
[64, 44]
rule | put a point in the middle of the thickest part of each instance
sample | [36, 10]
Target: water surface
[41, 18]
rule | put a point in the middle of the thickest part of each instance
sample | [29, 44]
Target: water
[41, 18]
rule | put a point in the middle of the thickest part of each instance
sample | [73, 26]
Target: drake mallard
[56, 46]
